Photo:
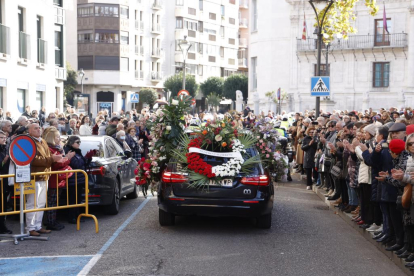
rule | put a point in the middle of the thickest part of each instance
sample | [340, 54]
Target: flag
[278, 94]
[384, 21]
[304, 32]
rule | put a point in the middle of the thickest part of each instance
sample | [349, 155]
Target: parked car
[241, 196]
[110, 174]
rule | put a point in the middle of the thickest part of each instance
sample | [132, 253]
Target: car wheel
[134, 193]
[265, 221]
[113, 208]
[165, 218]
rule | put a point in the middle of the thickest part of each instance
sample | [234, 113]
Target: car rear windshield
[86, 146]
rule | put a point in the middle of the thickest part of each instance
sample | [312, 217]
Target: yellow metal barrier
[29, 189]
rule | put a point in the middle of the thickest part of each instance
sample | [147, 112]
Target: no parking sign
[22, 152]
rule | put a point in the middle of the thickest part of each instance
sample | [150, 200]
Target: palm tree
[213, 100]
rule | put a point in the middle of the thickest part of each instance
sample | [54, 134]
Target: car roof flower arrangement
[166, 127]
[215, 139]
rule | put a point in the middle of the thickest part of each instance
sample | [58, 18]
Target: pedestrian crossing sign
[320, 86]
[135, 98]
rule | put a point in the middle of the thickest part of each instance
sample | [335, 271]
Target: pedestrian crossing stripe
[320, 86]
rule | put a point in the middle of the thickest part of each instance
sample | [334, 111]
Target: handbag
[336, 171]
[406, 197]
[62, 176]
[327, 161]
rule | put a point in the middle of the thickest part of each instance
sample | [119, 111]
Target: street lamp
[184, 47]
[329, 4]
[81, 74]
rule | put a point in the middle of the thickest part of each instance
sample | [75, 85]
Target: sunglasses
[410, 144]
[77, 142]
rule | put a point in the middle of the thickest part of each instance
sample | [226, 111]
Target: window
[200, 26]
[85, 62]
[124, 12]
[191, 33]
[1, 97]
[85, 36]
[381, 74]
[212, 37]
[124, 37]
[191, 11]
[212, 16]
[200, 70]
[58, 46]
[179, 2]
[254, 72]
[223, 11]
[179, 23]
[85, 10]
[200, 5]
[232, 41]
[39, 100]
[232, 21]
[107, 10]
[323, 70]
[110, 149]
[232, 2]
[21, 100]
[106, 36]
[382, 38]
[106, 63]
[124, 64]
[212, 59]
[222, 31]
[57, 3]
[222, 52]
[200, 48]
[254, 15]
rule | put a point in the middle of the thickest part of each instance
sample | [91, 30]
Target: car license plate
[223, 183]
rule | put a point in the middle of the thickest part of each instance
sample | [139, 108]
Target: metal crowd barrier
[31, 188]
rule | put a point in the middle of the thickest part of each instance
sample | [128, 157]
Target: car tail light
[173, 177]
[98, 171]
[261, 180]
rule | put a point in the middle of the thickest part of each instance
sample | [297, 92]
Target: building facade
[32, 54]
[372, 68]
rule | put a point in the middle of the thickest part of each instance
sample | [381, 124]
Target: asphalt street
[305, 239]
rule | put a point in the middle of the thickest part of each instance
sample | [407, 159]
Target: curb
[367, 235]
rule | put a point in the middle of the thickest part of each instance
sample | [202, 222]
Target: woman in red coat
[52, 137]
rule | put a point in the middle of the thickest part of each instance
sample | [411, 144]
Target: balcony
[59, 15]
[41, 52]
[242, 43]
[139, 75]
[60, 73]
[243, 23]
[139, 25]
[156, 76]
[244, 4]
[156, 53]
[358, 42]
[4, 40]
[156, 28]
[139, 50]
[24, 46]
[157, 5]
[243, 62]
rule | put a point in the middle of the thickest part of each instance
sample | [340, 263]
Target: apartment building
[212, 29]
[32, 54]
[119, 47]
[372, 68]
[243, 53]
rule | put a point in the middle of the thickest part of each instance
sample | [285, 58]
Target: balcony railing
[156, 28]
[139, 75]
[139, 25]
[4, 40]
[60, 73]
[156, 52]
[156, 75]
[157, 4]
[244, 4]
[24, 45]
[242, 62]
[242, 42]
[357, 42]
[243, 23]
[41, 51]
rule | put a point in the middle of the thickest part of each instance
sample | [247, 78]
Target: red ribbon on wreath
[195, 162]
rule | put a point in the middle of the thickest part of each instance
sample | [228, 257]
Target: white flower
[174, 102]
[168, 128]
[218, 138]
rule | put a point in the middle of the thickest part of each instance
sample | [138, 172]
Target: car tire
[165, 218]
[113, 208]
[265, 221]
[134, 193]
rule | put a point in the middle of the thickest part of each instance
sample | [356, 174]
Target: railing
[357, 42]
[139, 25]
[139, 75]
[242, 62]
[156, 52]
[139, 50]
[243, 22]
[41, 51]
[4, 40]
[157, 4]
[24, 45]
[60, 73]
[156, 75]
[156, 28]
[244, 4]
[242, 42]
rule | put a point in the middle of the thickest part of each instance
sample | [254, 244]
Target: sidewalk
[367, 235]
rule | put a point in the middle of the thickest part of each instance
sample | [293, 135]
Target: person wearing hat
[398, 131]
[111, 128]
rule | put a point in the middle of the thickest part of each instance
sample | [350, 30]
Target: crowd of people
[364, 161]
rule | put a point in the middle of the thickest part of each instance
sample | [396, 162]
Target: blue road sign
[320, 86]
[134, 98]
[22, 150]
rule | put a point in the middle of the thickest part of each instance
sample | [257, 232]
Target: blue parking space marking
[44, 265]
